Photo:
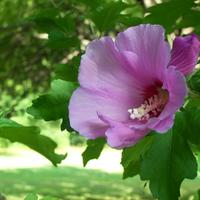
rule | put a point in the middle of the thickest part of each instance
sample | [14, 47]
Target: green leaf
[92, 4]
[93, 150]
[49, 13]
[194, 82]
[53, 105]
[31, 137]
[106, 16]
[132, 157]
[190, 19]
[8, 123]
[44, 19]
[31, 197]
[69, 71]
[175, 9]
[168, 162]
[60, 40]
[130, 21]
[192, 118]
[66, 23]
[50, 20]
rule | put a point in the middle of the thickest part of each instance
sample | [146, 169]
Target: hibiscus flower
[132, 85]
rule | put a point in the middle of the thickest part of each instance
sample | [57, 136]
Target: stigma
[151, 107]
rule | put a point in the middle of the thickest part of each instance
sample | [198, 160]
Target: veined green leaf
[54, 105]
[168, 162]
[132, 157]
[31, 137]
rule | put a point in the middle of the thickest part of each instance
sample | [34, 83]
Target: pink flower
[185, 53]
[132, 85]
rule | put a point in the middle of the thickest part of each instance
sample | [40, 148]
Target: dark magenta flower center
[152, 106]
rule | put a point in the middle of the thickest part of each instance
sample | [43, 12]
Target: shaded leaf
[50, 20]
[132, 156]
[93, 150]
[44, 19]
[92, 4]
[60, 40]
[49, 13]
[194, 82]
[66, 23]
[168, 162]
[190, 19]
[192, 119]
[130, 21]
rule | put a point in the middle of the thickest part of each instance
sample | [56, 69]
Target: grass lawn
[69, 183]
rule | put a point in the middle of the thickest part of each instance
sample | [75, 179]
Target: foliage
[57, 99]
[132, 157]
[93, 150]
[30, 136]
[41, 43]
[177, 162]
[194, 82]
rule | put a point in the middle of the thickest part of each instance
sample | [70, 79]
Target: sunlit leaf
[31, 137]
[54, 105]
[69, 71]
[168, 13]
[107, 15]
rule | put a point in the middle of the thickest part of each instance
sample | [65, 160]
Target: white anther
[130, 111]
[142, 112]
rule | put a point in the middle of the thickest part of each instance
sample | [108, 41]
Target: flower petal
[134, 66]
[102, 69]
[162, 126]
[175, 84]
[119, 135]
[185, 53]
[147, 41]
[84, 106]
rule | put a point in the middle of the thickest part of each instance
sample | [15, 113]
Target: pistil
[151, 107]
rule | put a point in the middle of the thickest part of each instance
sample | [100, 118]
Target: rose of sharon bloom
[132, 85]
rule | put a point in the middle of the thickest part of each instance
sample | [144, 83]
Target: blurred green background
[42, 40]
